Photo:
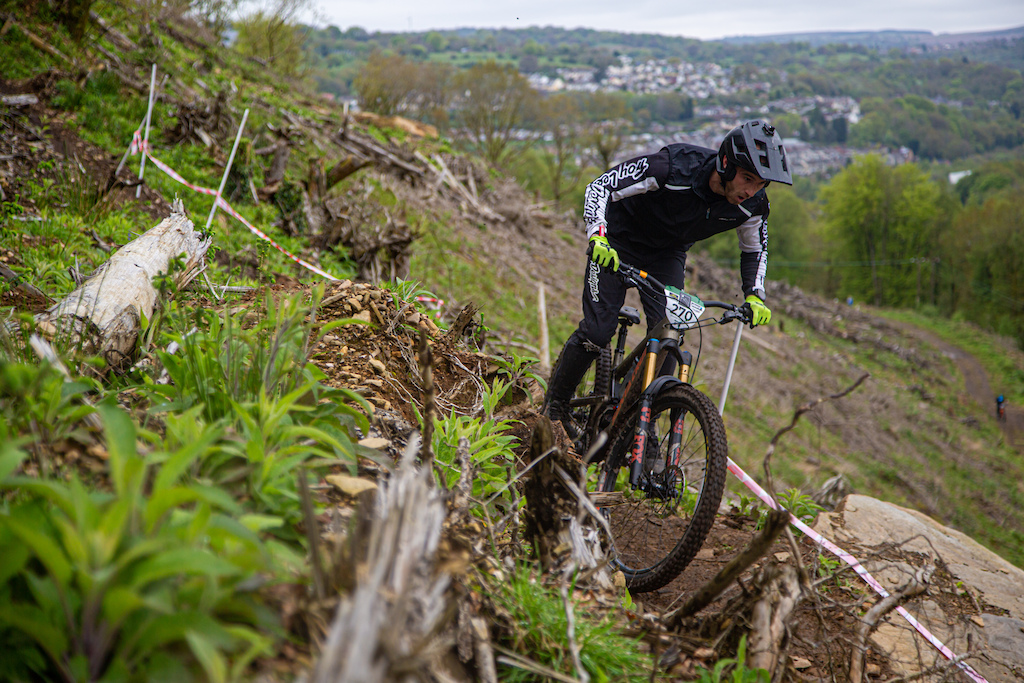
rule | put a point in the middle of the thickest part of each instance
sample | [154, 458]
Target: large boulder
[975, 603]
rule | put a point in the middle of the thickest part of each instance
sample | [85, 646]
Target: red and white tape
[432, 303]
[138, 144]
[857, 567]
[259, 233]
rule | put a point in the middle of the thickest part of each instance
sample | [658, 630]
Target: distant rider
[648, 212]
[1000, 408]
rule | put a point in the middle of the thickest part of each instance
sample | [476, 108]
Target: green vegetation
[157, 545]
[533, 620]
[729, 670]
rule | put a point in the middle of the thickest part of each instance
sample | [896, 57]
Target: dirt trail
[976, 383]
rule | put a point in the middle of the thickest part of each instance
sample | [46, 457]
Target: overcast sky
[704, 19]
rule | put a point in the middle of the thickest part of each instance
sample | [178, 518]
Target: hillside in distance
[879, 39]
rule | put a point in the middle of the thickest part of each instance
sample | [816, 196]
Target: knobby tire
[597, 384]
[655, 532]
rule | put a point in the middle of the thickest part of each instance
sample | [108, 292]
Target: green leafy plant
[95, 584]
[747, 504]
[278, 418]
[520, 369]
[36, 400]
[490, 447]
[800, 505]
[739, 672]
[227, 360]
[830, 567]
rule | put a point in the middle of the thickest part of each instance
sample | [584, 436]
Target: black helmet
[769, 159]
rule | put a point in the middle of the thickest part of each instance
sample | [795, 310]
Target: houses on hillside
[699, 80]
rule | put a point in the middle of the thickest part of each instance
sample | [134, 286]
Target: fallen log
[103, 316]
[779, 592]
[915, 586]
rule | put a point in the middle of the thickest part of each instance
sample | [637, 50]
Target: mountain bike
[658, 444]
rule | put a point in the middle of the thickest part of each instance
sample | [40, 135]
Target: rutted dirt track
[976, 384]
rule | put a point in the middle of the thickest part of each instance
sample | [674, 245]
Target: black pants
[604, 293]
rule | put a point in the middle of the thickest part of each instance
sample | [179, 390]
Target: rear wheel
[658, 527]
[583, 405]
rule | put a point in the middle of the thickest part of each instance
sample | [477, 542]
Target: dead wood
[116, 37]
[344, 168]
[462, 323]
[709, 592]
[381, 156]
[103, 315]
[445, 176]
[566, 539]
[116, 66]
[36, 40]
[869, 621]
[207, 122]
[390, 626]
[780, 593]
[549, 505]
[483, 651]
[191, 39]
[281, 149]
[25, 287]
[18, 100]
[417, 128]
[426, 367]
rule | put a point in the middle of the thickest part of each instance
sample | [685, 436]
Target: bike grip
[748, 314]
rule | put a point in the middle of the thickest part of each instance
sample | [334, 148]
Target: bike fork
[643, 429]
[636, 460]
[679, 421]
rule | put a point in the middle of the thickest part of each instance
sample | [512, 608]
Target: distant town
[702, 81]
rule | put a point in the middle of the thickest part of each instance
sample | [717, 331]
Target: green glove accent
[762, 315]
[601, 253]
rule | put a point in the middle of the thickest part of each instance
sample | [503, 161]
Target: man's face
[744, 186]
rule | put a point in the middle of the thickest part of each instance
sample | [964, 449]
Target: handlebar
[643, 280]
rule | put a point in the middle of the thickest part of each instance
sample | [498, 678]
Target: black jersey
[663, 201]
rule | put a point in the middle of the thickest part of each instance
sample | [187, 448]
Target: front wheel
[658, 526]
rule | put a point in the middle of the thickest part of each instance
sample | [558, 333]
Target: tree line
[905, 237]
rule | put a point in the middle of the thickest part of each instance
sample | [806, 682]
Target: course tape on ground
[432, 303]
[138, 144]
[857, 567]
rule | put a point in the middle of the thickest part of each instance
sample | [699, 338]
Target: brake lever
[729, 316]
[747, 315]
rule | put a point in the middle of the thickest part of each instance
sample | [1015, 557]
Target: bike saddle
[629, 315]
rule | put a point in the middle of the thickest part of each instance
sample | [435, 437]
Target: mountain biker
[648, 212]
[1000, 409]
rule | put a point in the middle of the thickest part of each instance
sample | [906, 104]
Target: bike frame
[640, 377]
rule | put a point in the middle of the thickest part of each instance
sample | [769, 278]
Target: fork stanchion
[732, 364]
